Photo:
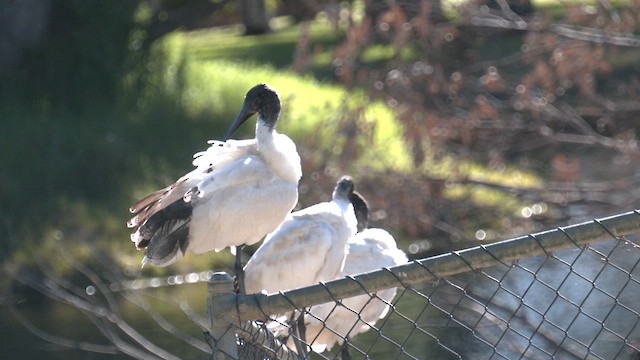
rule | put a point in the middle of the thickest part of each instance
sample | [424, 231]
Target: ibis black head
[361, 209]
[344, 188]
[260, 99]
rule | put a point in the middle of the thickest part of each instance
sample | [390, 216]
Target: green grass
[316, 109]
[310, 108]
[196, 87]
[190, 99]
[214, 58]
[275, 49]
[78, 172]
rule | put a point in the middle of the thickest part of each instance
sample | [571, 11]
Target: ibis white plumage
[369, 250]
[239, 191]
[309, 246]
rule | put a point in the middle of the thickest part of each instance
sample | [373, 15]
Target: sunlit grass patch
[316, 115]
[310, 109]
[379, 53]
[485, 196]
[482, 184]
[276, 48]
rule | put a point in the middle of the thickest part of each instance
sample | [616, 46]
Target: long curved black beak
[244, 114]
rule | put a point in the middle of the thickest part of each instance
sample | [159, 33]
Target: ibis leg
[239, 271]
[300, 340]
[344, 351]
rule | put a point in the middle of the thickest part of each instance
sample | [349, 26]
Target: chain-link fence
[569, 293]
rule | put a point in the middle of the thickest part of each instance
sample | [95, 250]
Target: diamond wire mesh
[578, 303]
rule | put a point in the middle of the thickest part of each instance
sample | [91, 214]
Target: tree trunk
[302, 10]
[23, 24]
[254, 16]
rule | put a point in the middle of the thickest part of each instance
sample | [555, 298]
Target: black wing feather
[172, 237]
[163, 221]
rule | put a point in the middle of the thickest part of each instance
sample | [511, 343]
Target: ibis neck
[349, 215]
[344, 204]
[278, 151]
[264, 132]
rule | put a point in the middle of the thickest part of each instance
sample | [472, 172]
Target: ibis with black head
[239, 191]
[309, 246]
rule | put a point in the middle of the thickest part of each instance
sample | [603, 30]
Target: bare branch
[199, 320]
[51, 289]
[498, 21]
[595, 35]
[613, 13]
[80, 345]
[165, 324]
[137, 300]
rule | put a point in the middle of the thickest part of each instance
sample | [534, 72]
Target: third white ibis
[369, 250]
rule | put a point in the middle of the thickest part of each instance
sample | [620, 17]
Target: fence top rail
[261, 306]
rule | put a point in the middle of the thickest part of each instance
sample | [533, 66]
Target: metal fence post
[222, 319]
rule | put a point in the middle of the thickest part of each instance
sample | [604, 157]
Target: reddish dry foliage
[541, 97]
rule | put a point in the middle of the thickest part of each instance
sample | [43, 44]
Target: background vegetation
[462, 123]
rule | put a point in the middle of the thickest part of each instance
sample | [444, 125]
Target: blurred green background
[462, 122]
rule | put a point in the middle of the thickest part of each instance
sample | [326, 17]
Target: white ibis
[370, 249]
[240, 191]
[309, 246]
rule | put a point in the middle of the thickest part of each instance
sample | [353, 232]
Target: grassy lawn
[192, 96]
[273, 49]
[196, 88]
[72, 181]
[315, 110]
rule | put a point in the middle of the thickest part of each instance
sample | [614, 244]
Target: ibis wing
[169, 242]
[218, 156]
[157, 200]
[160, 224]
[292, 256]
[246, 170]
[150, 199]
[211, 164]
[221, 153]
[372, 249]
[369, 250]
[150, 205]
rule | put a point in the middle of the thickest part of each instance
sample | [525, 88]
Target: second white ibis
[310, 246]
